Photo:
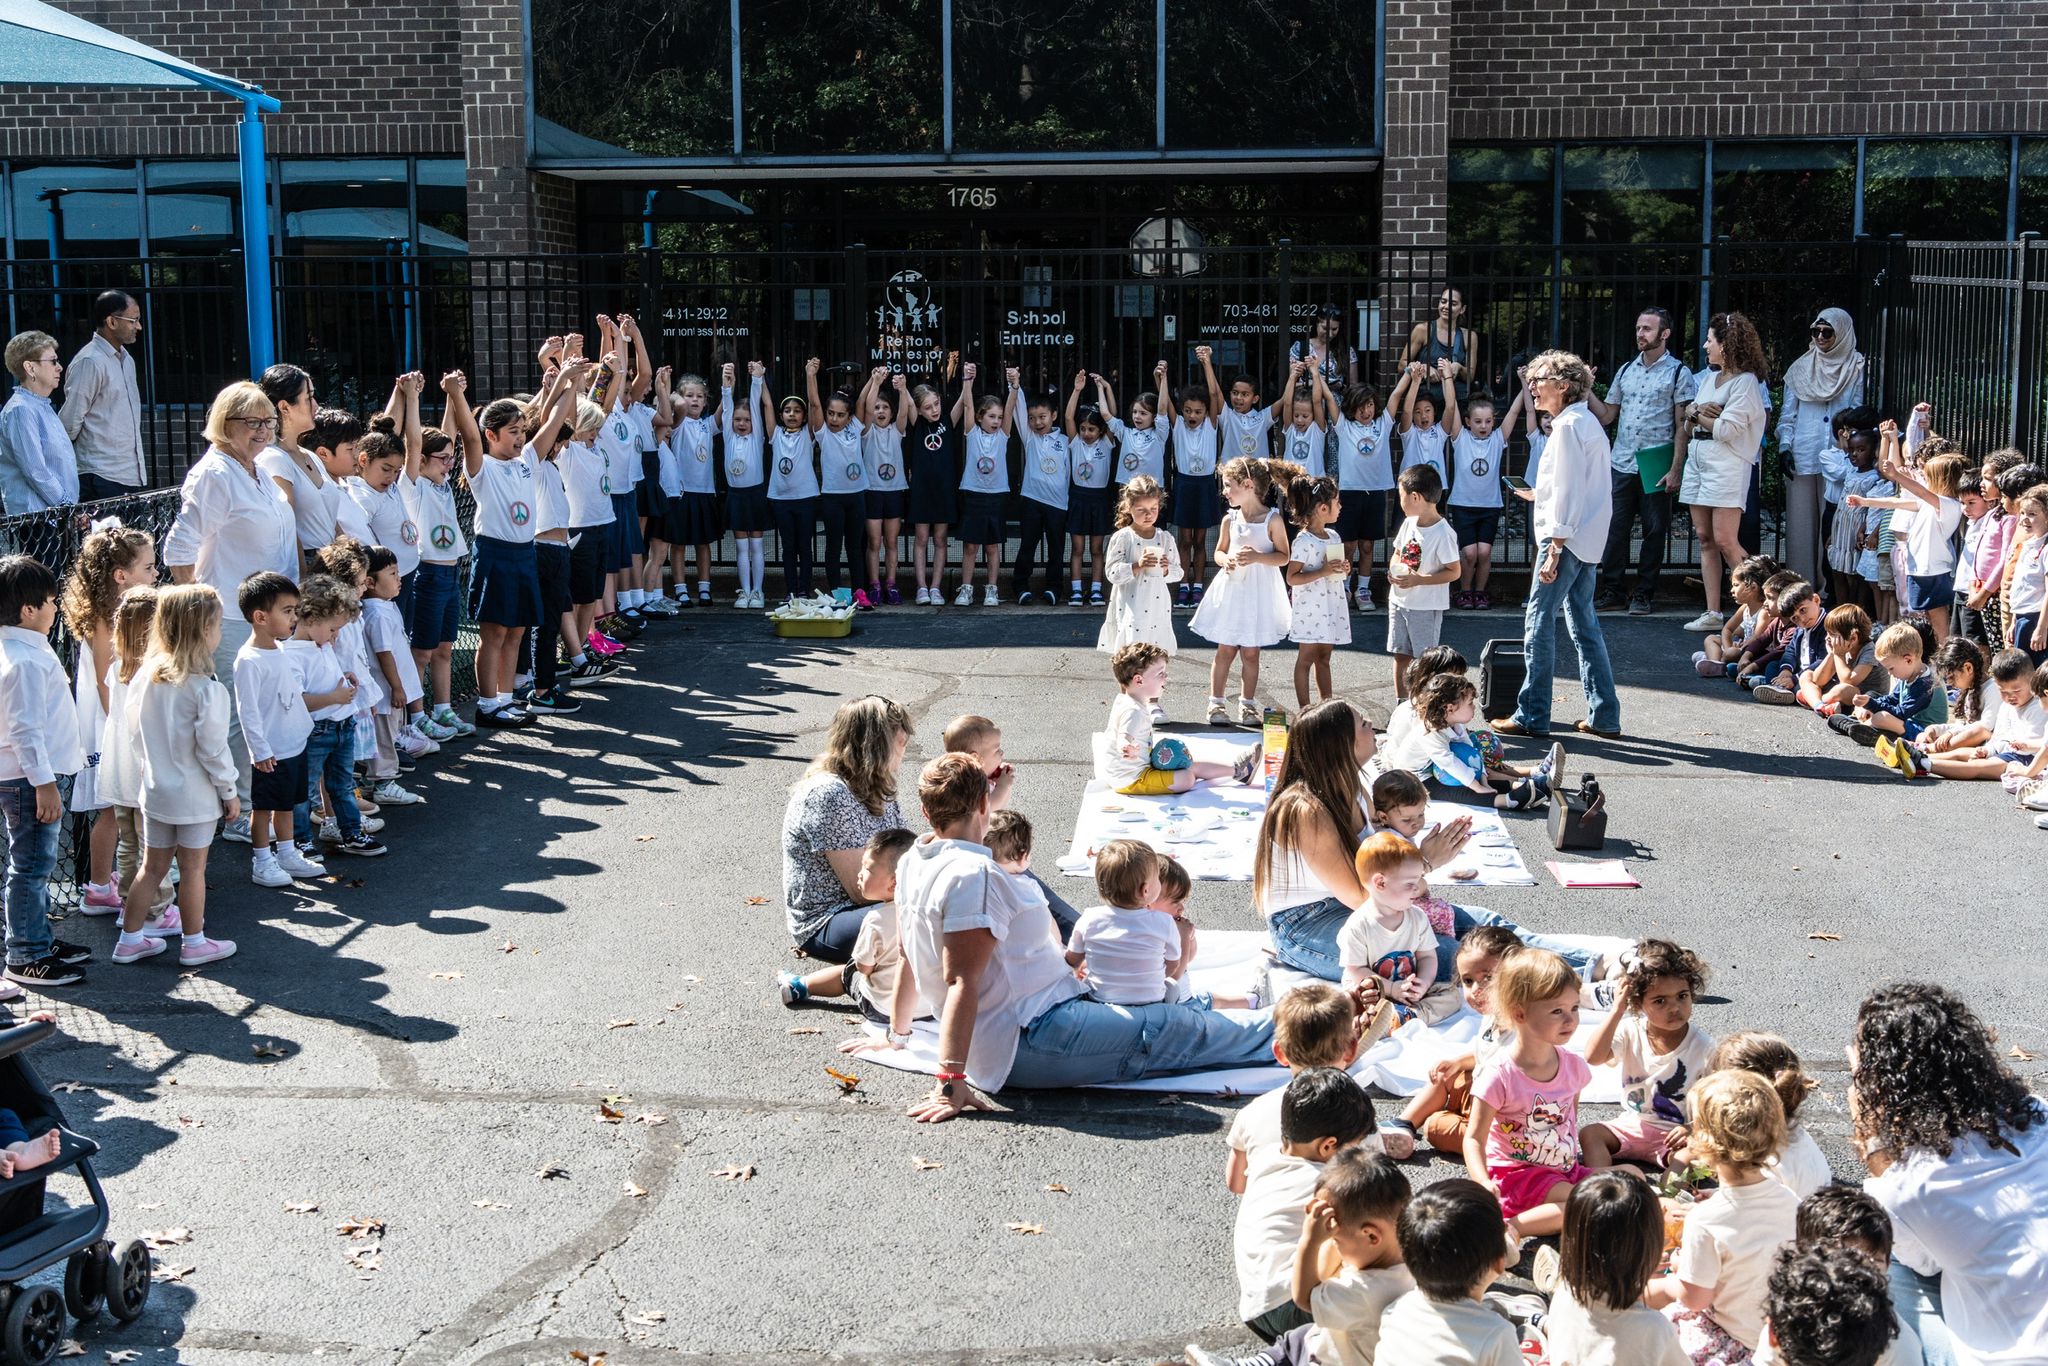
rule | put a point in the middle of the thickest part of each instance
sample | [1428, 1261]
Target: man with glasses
[102, 405]
[1643, 402]
[37, 470]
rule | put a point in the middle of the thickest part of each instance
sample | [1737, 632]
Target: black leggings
[1036, 521]
[796, 523]
[846, 531]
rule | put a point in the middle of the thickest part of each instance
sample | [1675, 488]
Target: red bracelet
[952, 1076]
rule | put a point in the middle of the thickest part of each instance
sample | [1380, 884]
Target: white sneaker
[759, 602]
[2034, 796]
[330, 831]
[372, 824]
[236, 830]
[1707, 621]
[924, 596]
[297, 864]
[164, 925]
[1364, 599]
[989, 596]
[965, 597]
[742, 598]
[389, 793]
[269, 874]
[414, 745]
[2041, 822]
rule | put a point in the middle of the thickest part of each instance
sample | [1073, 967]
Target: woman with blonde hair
[179, 713]
[233, 521]
[848, 794]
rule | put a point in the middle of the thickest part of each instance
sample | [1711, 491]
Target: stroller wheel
[35, 1327]
[127, 1284]
[85, 1282]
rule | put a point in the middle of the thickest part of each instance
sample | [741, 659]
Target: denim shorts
[1929, 590]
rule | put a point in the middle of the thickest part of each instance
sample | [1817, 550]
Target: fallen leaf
[1032, 1229]
[368, 1257]
[650, 1317]
[553, 1172]
[636, 1191]
[618, 1024]
[588, 1358]
[444, 976]
[172, 1273]
[925, 1164]
[1169, 1100]
[2020, 1053]
[650, 1120]
[168, 1237]
[191, 1123]
[69, 1086]
[71, 1347]
[360, 1228]
[1057, 1189]
[270, 1050]
[607, 1115]
[807, 1029]
[735, 1172]
[1828, 935]
[510, 947]
[848, 1082]
[123, 1356]
[621, 1098]
[302, 1207]
[642, 839]
[490, 1204]
[757, 901]
[154, 1204]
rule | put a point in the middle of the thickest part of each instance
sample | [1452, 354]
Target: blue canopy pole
[256, 241]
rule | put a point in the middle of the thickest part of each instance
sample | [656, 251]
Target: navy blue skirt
[504, 583]
[747, 509]
[692, 519]
[983, 518]
[1197, 501]
[888, 505]
[1088, 511]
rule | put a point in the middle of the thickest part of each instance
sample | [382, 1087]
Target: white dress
[92, 720]
[1140, 605]
[1246, 607]
[1319, 615]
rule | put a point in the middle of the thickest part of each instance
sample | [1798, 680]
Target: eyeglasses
[258, 424]
[125, 318]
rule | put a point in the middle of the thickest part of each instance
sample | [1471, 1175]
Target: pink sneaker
[863, 601]
[601, 645]
[136, 952]
[164, 925]
[100, 900]
[197, 952]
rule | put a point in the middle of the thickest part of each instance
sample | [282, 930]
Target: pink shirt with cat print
[1535, 1122]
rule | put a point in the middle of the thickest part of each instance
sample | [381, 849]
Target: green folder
[1653, 463]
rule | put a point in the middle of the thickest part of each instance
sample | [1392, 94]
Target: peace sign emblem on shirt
[521, 514]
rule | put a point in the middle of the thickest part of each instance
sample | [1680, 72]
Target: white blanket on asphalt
[1228, 961]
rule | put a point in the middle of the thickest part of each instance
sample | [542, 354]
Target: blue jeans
[832, 942]
[1305, 939]
[330, 757]
[1916, 1299]
[31, 849]
[1573, 587]
[1083, 1042]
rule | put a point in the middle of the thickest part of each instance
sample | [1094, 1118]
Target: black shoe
[360, 845]
[45, 972]
[502, 718]
[522, 694]
[555, 702]
[1862, 733]
[1639, 607]
[69, 953]
[1610, 601]
[1841, 723]
[593, 672]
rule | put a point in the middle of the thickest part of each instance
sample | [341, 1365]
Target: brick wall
[1626, 69]
[1412, 179]
[356, 77]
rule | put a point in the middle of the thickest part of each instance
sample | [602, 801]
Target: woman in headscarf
[1825, 381]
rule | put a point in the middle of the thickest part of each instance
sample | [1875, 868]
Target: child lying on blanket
[1127, 758]
[1128, 953]
[1438, 1112]
[1389, 937]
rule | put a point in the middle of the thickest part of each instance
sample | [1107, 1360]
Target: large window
[195, 207]
[1936, 190]
[1053, 75]
[75, 209]
[1013, 79]
[2033, 195]
[1622, 194]
[1784, 191]
[345, 208]
[1500, 194]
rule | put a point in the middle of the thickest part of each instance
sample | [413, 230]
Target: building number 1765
[970, 196]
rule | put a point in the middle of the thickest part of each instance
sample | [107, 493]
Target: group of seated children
[1334, 1257]
[1944, 709]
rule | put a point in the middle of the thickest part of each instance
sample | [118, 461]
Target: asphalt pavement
[534, 1064]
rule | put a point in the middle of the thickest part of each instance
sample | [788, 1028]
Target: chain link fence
[54, 537]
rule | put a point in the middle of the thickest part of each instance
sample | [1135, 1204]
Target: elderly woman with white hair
[233, 521]
[1573, 504]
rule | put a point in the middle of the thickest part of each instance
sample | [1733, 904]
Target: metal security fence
[54, 537]
[1964, 326]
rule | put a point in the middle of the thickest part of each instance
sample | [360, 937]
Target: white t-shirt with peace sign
[432, 507]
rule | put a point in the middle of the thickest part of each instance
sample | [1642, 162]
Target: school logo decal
[785, 465]
[604, 485]
[984, 465]
[885, 471]
[1131, 461]
[1049, 465]
[443, 537]
[521, 514]
[935, 440]
[736, 468]
[408, 532]
[1085, 470]
[1299, 450]
[1246, 444]
[1365, 445]
[852, 470]
[1481, 465]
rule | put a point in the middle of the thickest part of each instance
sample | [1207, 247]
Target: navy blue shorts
[983, 518]
[1475, 526]
[625, 531]
[281, 789]
[436, 613]
[888, 505]
[587, 557]
[1929, 590]
[1361, 514]
[1089, 511]
[1197, 502]
[504, 583]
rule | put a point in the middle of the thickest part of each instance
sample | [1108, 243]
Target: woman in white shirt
[1728, 421]
[296, 471]
[233, 521]
[1958, 1154]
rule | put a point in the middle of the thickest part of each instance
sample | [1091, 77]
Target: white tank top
[1290, 882]
[505, 496]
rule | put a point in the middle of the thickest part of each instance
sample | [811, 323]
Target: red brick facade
[446, 78]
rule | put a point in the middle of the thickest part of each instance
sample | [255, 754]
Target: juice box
[1276, 744]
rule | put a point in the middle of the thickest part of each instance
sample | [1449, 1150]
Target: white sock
[703, 588]
[578, 660]
[521, 680]
[134, 937]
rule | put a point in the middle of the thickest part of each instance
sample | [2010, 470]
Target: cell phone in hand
[1515, 483]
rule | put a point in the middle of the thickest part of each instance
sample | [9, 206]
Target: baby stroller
[96, 1275]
